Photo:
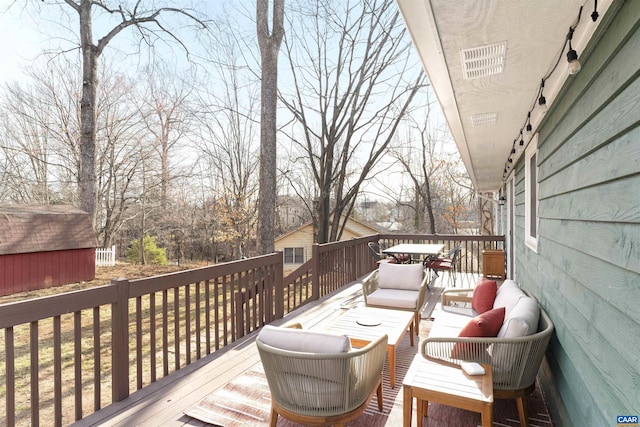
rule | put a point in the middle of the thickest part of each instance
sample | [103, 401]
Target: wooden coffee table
[447, 385]
[364, 324]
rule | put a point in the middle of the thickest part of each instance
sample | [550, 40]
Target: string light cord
[564, 46]
[535, 101]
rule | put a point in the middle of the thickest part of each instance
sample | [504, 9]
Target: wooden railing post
[120, 340]
[279, 291]
[315, 275]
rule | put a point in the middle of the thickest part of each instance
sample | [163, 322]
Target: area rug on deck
[246, 402]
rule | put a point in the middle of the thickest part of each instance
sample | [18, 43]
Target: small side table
[493, 263]
[431, 381]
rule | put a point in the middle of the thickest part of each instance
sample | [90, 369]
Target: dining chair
[380, 257]
[447, 263]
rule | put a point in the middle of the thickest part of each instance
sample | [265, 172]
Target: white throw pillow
[400, 276]
[303, 340]
[522, 320]
[508, 295]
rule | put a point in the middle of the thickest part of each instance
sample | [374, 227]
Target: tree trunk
[429, 207]
[87, 175]
[269, 47]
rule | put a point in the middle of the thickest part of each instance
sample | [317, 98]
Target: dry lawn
[22, 347]
[103, 277]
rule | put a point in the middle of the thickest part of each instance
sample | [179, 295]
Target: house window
[531, 194]
[293, 255]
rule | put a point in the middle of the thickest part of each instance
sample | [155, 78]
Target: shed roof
[43, 228]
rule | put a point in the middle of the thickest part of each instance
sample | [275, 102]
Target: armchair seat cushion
[394, 298]
[440, 264]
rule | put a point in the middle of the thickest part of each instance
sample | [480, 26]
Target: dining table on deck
[423, 251]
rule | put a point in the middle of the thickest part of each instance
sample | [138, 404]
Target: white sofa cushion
[400, 276]
[507, 296]
[396, 298]
[303, 340]
[522, 320]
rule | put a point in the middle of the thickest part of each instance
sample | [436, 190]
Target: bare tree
[353, 80]
[457, 197]
[150, 28]
[227, 142]
[120, 136]
[269, 43]
[164, 108]
[422, 161]
[25, 148]
[41, 134]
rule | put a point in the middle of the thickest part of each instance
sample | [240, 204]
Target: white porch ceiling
[485, 60]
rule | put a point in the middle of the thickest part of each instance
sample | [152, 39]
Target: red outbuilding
[44, 246]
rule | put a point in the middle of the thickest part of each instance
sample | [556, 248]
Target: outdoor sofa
[503, 327]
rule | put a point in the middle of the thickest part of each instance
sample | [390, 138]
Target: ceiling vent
[485, 146]
[484, 119]
[483, 61]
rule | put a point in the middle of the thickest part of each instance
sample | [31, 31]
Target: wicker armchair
[320, 388]
[397, 287]
[514, 361]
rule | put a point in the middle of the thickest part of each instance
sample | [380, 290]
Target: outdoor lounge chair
[397, 287]
[315, 378]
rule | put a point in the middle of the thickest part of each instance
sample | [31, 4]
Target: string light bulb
[521, 139]
[595, 14]
[572, 56]
[542, 104]
[542, 101]
[529, 128]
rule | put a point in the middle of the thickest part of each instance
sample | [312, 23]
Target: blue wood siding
[586, 271]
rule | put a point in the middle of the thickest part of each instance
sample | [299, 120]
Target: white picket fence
[106, 257]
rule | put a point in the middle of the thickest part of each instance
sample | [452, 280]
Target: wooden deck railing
[331, 266]
[69, 355]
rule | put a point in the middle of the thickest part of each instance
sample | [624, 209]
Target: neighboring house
[290, 213]
[572, 190]
[296, 245]
[44, 246]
